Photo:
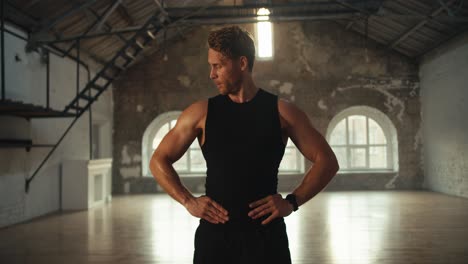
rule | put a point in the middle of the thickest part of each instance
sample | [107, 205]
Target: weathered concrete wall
[444, 95]
[26, 82]
[319, 66]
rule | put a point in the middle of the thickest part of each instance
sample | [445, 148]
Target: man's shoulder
[197, 108]
[289, 111]
[286, 107]
[192, 116]
[200, 103]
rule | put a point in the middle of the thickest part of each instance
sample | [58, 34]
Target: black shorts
[268, 244]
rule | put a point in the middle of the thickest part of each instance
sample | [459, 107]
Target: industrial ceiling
[410, 27]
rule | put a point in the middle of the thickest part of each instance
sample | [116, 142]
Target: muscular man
[242, 132]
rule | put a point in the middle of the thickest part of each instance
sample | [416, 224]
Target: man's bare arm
[314, 147]
[172, 148]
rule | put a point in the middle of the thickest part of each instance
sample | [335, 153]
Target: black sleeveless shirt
[243, 149]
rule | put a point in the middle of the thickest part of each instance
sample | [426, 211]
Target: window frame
[388, 130]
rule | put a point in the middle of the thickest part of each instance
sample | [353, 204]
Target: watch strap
[291, 198]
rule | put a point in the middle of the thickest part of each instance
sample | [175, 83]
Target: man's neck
[246, 92]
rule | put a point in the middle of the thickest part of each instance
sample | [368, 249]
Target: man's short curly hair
[233, 42]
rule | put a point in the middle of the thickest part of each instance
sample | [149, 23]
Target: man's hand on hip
[204, 207]
[272, 204]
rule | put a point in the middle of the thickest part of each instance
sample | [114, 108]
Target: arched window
[363, 139]
[192, 163]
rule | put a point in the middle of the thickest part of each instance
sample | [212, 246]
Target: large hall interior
[91, 88]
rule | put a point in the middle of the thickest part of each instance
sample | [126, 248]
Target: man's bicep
[176, 142]
[308, 140]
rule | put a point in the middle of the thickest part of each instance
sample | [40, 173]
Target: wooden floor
[334, 227]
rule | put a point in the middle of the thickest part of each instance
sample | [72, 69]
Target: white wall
[26, 82]
[444, 94]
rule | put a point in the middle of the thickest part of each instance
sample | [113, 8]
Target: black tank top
[243, 149]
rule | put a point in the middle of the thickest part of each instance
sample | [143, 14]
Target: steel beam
[107, 14]
[48, 24]
[440, 42]
[109, 27]
[89, 28]
[17, 16]
[123, 12]
[418, 26]
[253, 19]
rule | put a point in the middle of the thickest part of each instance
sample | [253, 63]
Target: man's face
[225, 73]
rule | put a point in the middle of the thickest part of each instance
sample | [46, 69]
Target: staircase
[121, 60]
[110, 71]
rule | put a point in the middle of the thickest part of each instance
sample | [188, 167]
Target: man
[243, 132]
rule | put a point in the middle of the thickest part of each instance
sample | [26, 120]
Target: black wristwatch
[291, 198]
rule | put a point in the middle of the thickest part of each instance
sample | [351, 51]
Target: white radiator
[86, 183]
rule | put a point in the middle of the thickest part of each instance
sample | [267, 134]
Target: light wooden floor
[334, 227]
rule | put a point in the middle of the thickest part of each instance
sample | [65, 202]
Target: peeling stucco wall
[319, 66]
